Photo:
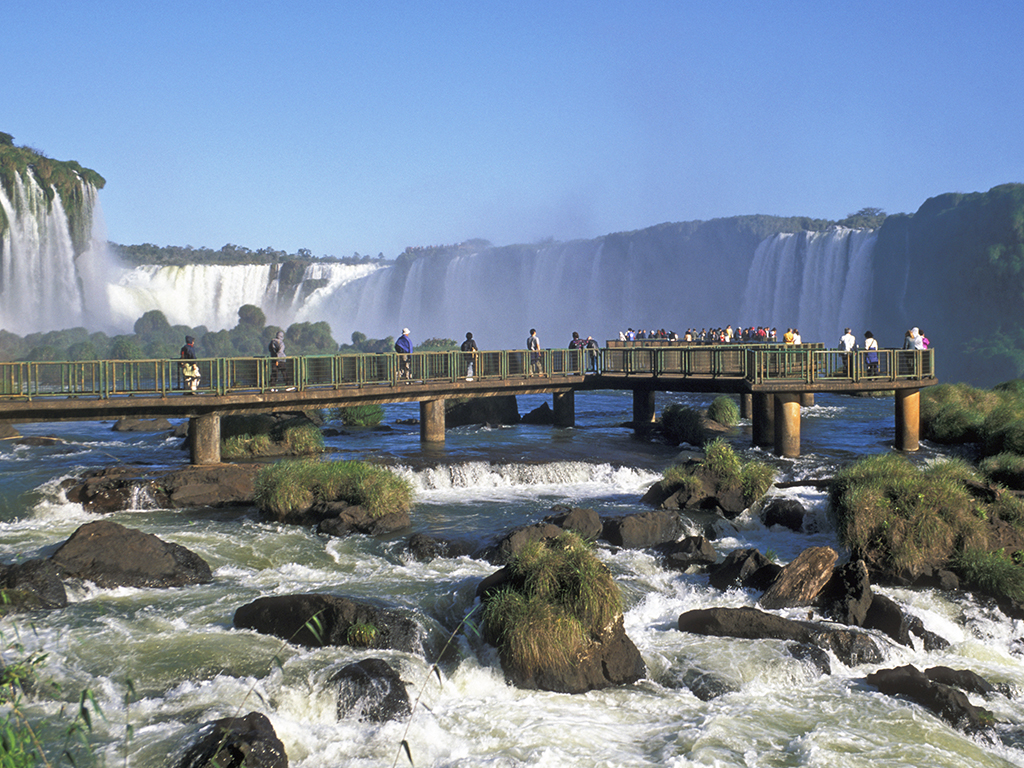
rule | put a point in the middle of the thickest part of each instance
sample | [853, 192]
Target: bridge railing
[110, 378]
[816, 365]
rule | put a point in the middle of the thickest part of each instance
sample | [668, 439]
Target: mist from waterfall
[44, 284]
[818, 282]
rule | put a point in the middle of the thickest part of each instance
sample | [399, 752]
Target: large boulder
[690, 552]
[501, 409]
[745, 568]
[127, 424]
[236, 742]
[33, 584]
[111, 555]
[425, 548]
[316, 620]
[338, 518]
[849, 646]
[644, 529]
[949, 703]
[370, 690]
[800, 582]
[847, 596]
[127, 487]
[586, 522]
[705, 491]
[788, 513]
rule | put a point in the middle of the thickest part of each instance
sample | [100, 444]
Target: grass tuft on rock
[290, 487]
[960, 413]
[247, 437]
[725, 411]
[992, 572]
[897, 517]
[559, 596]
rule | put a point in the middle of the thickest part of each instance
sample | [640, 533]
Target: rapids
[162, 661]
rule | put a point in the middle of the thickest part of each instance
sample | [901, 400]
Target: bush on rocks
[725, 411]
[290, 487]
[681, 424]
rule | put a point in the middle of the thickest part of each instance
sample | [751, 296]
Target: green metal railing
[758, 364]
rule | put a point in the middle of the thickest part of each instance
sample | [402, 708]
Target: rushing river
[161, 661]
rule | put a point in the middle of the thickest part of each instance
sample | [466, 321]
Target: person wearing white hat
[404, 349]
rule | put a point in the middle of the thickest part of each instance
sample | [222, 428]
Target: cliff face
[955, 268]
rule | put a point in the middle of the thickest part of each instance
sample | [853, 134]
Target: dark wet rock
[706, 685]
[801, 581]
[949, 703]
[542, 415]
[425, 548]
[739, 569]
[501, 409]
[509, 545]
[964, 679]
[811, 654]
[371, 691]
[111, 555]
[316, 620]
[644, 529]
[887, 617]
[706, 493]
[586, 522]
[932, 641]
[38, 440]
[8, 431]
[128, 424]
[849, 646]
[236, 742]
[847, 596]
[338, 518]
[611, 659]
[128, 487]
[693, 551]
[33, 584]
[789, 513]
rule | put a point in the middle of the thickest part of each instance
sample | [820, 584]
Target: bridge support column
[764, 419]
[746, 405]
[908, 419]
[431, 421]
[643, 406]
[565, 408]
[806, 399]
[204, 438]
[787, 424]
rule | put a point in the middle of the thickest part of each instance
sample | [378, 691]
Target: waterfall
[44, 284]
[819, 282]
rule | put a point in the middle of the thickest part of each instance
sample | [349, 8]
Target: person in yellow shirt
[789, 337]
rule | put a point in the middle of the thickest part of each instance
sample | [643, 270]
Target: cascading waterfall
[819, 282]
[44, 284]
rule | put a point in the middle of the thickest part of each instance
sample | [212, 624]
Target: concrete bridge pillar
[565, 408]
[806, 399]
[204, 438]
[431, 421]
[787, 424]
[746, 405]
[763, 419]
[643, 406]
[908, 419]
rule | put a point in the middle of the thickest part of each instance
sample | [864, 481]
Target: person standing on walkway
[189, 366]
[592, 347]
[404, 349]
[847, 343]
[871, 346]
[278, 372]
[533, 344]
[469, 347]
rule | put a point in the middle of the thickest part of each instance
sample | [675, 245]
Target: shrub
[559, 596]
[289, 487]
[682, 424]
[895, 516]
[244, 437]
[1006, 469]
[369, 415]
[992, 572]
[724, 410]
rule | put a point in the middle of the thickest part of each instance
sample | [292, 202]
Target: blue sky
[366, 127]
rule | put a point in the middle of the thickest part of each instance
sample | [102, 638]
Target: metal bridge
[771, 379]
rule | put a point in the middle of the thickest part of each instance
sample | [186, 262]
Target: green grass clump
[721, 464]
[1006, 469]
[290, 487]
[682, 424]
[992, 572]
[721, 461]
[959, 413]
[725, 411]
[559, 597]
[369, 415]
[893, 515]
[362, 634]
[246, 437]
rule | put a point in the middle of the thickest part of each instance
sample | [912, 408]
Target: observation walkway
[772, 382]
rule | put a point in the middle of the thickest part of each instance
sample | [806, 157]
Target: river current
[162, 661]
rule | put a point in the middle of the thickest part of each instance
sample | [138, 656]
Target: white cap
[405, 331]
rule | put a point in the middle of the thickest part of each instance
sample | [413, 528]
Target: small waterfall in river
[819, 282]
